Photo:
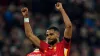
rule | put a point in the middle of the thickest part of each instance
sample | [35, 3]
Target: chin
[52, 42]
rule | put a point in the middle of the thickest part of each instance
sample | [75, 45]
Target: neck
[53, 43]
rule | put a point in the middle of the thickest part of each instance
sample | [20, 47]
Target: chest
[54, 51]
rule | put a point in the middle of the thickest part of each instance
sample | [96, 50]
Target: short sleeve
[66, 43]
[29, 54]
[43, 45]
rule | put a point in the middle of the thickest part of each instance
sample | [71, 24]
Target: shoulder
[30, 54]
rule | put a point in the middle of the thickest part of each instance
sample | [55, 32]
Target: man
[37, 52]
[54, 47]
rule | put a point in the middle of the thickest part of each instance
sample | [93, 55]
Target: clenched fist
[25, 12]
[59, 6]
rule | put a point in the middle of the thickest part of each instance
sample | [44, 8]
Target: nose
[48, 37]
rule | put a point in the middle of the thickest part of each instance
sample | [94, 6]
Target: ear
[57, 34]
[46, 40]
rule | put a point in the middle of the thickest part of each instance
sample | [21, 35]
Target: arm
[68, 24]
[28, 31]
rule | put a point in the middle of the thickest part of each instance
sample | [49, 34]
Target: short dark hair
[54, 28]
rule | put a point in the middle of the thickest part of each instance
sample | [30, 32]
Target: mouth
[50, 40]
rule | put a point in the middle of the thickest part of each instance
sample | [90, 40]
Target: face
[51, 35]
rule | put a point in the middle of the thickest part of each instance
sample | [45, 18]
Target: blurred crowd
[84, 15]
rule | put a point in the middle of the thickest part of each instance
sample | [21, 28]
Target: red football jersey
[36, 52]
[61, 49]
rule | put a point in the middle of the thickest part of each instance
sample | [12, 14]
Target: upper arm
[34, 39]
[68, 32]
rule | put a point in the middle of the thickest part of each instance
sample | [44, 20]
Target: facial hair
[53, 42]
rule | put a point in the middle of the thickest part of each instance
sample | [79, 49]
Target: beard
[52, 42]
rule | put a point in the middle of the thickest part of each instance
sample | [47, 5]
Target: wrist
[26, 19]
[26, 16]
[61, 9]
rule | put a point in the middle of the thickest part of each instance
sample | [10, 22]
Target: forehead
[50, 31]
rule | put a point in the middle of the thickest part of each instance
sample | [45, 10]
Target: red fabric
[58, 50]
[36, 54]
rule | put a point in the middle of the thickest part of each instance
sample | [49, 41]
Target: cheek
[52, 37]
[55, 36]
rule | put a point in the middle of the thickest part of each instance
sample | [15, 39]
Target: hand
[25, 12]
[59, 6]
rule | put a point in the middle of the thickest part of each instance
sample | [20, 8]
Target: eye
[47, 34]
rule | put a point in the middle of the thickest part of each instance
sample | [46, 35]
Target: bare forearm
[68, 25]
[34, 39]
[66, 18]
[28, 29]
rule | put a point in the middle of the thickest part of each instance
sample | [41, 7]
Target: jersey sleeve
[29, 54]
[43, 45]
[66, 42]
